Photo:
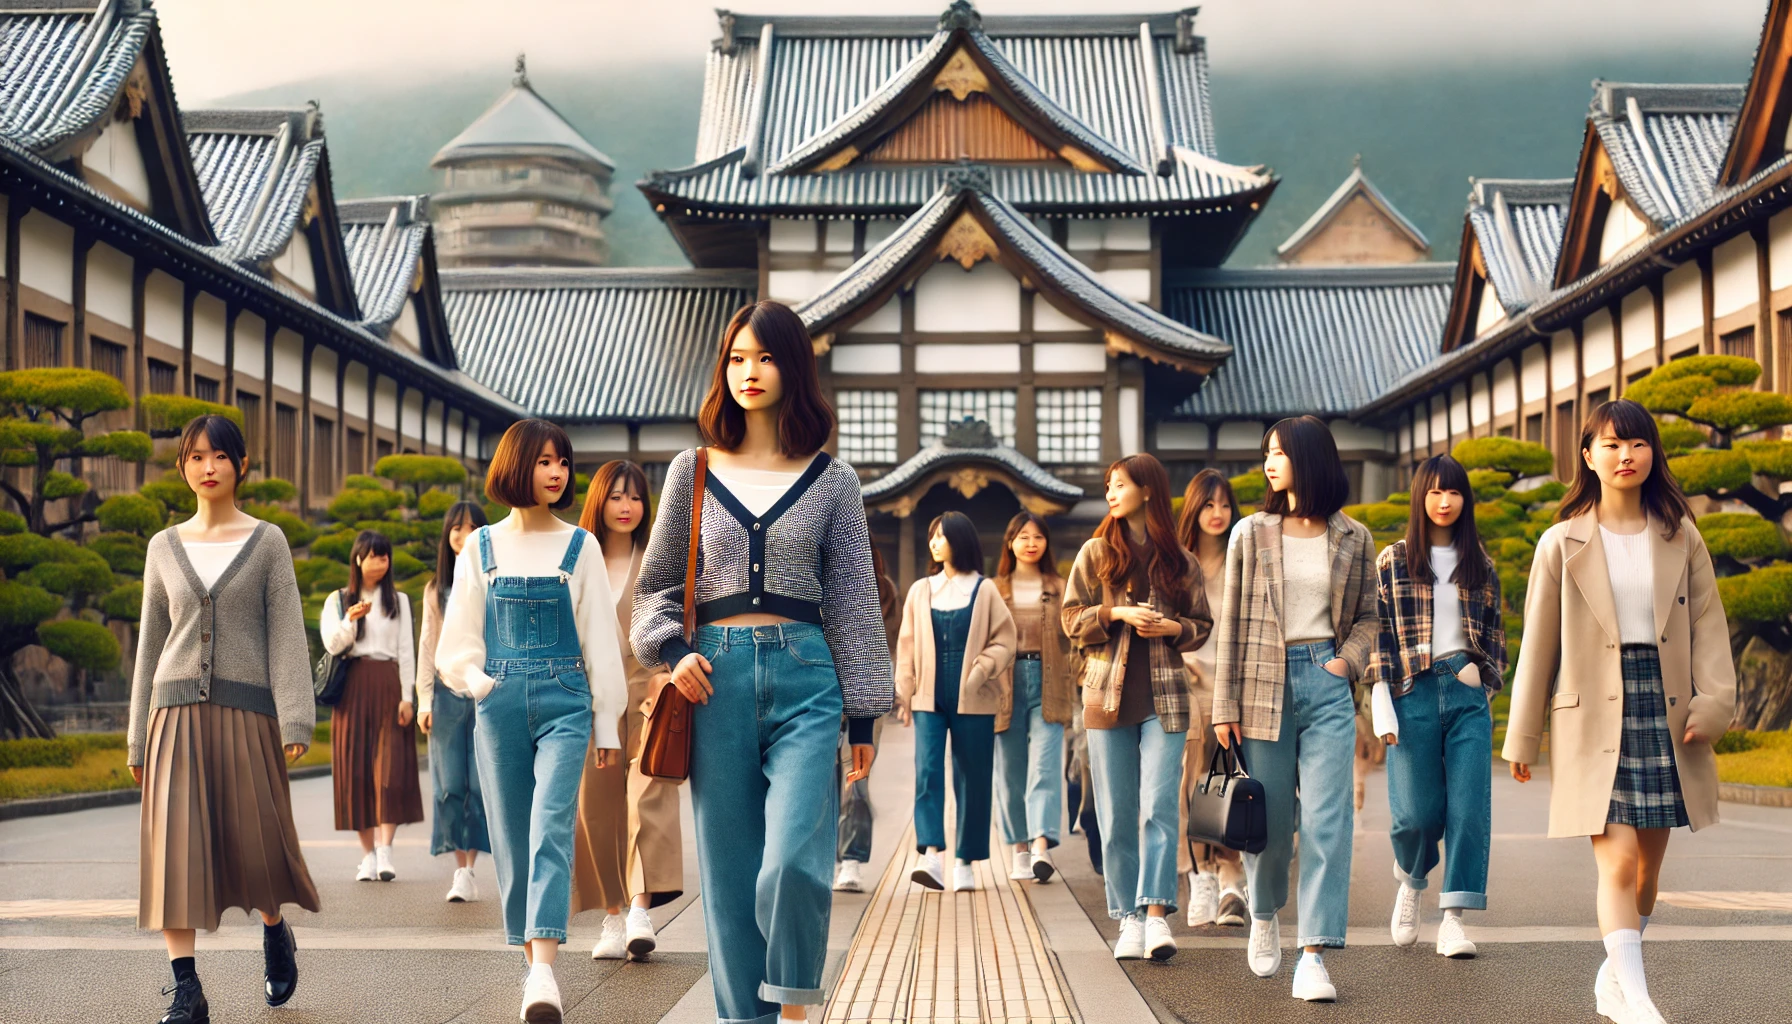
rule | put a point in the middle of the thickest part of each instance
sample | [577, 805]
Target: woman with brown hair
[788, 638]
[627, 846]
[1216, 883]
[1136, 603]
[373, 746]
[1627, 652]
[1030, 751]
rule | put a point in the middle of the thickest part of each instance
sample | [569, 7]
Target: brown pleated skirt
[217, 826]
[373, 759]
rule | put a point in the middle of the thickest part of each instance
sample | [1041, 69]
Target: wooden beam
[1764, 348]
[16, 209]
[1707, 304]
[304, 466]
[77, 355]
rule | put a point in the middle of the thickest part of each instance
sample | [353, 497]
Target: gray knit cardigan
[239, 645]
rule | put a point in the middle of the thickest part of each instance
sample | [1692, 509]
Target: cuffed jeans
[1137, 772]
[766, 806]
[1314, 754]
[530, 738]
[459, 801]
[1029, 764]
[1440, 785]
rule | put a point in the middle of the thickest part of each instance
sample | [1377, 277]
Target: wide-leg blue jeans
[454, 776]
[1137, 772]
[1029, 764]
[1440, 784]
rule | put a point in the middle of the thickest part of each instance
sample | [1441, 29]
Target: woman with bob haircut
[1439, 658]
[1635, 701]
[788, 638]
[1216, 885]
[530, 635]
[952, 658]
[221, 693]
[627, 847]
[1297, 626]
[1136, 604]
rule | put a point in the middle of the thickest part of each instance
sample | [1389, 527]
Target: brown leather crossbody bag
[666, 750]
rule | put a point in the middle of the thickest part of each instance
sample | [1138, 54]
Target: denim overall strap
[485, 550]
[572, 554]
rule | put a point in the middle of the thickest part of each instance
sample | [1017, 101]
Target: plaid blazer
[1252, 660]
[1403, 647]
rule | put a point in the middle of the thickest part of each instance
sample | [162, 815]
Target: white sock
[1641, 928]
[1455, 912]
[1624, 949]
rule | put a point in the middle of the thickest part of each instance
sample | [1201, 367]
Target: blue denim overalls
[530, 736]
[971, 737]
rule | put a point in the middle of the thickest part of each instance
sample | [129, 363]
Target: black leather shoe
[189, 1006]
[278, 947]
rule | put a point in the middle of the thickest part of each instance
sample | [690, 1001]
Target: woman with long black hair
[373, 744]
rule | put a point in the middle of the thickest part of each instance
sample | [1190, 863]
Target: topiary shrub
[81, 644]
[1249, 487]
[125, 602]
[435, 503]
[132, 513]
[357, 504]
[335, 546]
[271, 491]
[168, 415]
[320, 574]
[122, 551]
[297, 532]
[1741, 536]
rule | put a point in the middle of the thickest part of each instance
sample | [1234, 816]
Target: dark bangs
[1441, 472]
[1319, 484]
[1629, 421]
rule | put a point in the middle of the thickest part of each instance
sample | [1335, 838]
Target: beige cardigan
[1569, 669]
[985, 684]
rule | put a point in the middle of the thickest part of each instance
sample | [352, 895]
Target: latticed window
[1069, 425]
[941, 409]
[867, 426]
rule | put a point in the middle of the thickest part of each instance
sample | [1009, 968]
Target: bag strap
[700, 476]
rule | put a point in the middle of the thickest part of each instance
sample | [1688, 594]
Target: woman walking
[446, 718]
[1136, 602]
[627, 846]
[1627, 651]
[952, 663]
[1216, 885]
[1030, 752]
[1296, 628]
[373, 748]
[788, 639]
[854, 847]
[222, 661]
[1440, 658]
[530, 635]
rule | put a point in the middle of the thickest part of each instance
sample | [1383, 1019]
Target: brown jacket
[1251, 662]
[984, 685]
[1057, 692]
[1578, 684]
[1089, 602]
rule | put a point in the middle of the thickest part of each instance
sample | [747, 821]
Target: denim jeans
[459, 821]
[1137, 771]
[531, 735]
[855, 802]
[972, 739]
[1440, 785]
[1029, 764]
[762, 787]
[1316, 753]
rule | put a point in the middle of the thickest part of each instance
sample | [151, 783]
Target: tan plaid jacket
[1108, 646]
[1251, 661]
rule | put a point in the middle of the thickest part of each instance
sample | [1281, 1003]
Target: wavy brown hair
[1662, 497]
[1048, 565]
[805, 420]
[1169, 563]
[1202, 489]
[591, 517]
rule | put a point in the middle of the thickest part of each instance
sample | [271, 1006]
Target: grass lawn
[1756, 758]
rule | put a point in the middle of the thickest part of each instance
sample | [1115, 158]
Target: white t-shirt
[1306, 589]
[1630, 566]
[757, 489]
[211, 557]
[1447, 635]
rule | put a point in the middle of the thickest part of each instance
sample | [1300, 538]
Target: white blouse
[460, 658]
[1630, 565]
[757, 489]
[386, 638]
[211, 557]
[951, 593]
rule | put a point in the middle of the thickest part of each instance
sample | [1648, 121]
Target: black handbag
[330, 674]
[1227, 807]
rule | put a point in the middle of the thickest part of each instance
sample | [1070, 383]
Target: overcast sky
[220, 47]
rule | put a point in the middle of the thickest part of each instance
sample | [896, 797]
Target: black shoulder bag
[331, 672]
[1227, 806]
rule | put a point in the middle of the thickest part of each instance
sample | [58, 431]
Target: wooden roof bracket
[762, 92]
[1163, 158]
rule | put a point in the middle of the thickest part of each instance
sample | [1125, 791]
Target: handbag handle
[690, 566]
[1233, 759]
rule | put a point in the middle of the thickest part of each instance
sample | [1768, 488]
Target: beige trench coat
[984, 686]
[1568, 668]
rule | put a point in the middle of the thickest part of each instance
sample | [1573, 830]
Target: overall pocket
[527, 625]
[573, 681]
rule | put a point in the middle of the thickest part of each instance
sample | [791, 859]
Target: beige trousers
[628, 839]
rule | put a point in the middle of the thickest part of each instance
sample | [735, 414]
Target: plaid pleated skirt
[1646, 792]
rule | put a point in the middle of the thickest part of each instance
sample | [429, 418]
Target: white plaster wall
[1375, 480]
[413, 415]
[1405, 438]
[1639, 323]
[1069, 357]
[1356, 436]
[987, 298]
[1128, 282]
[1561, 359]
[1048, 319]
[1596, 342]
[1241, 434]
[886, 320]
[878, 230]
[1779, 249]
[404, 330]
[967, 358]
[839, 236]
[1127, 234]
[209, 318]
[108, 283]
[457, 433]
[1491, 312]
[1622, 227]
[1682, 305]
[877, 357]
[385, 403]
[47, 257]
[116, 155]
[594, 438]
[1132, 423]
[1458, 410]
[1440, 425]
[252, 346]
[1478, 405]
[793, 286]
[1735, 282]
[1536, 378]
[323, 377]
[669, 437]
[294, 263]
[1505, 394]
[1083, 235]
[354, 390]
[1182, 437]
[432, 423]
[289, 360]
[162, 298]
[791, 235]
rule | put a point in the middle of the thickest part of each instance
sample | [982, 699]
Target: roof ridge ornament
[969, 432]
[966, 175]
[522, 72]
[961, 15]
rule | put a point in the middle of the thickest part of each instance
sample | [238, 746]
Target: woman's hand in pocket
[1470, 675]
[691, 676]
[1338, 667]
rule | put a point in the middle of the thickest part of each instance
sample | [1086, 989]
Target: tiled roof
[594, 344]
[384, 241]
[938, 455]
[521, 122]
[255, 169]
[61, 69]
[1321, 340]
[1357, 183]
[1518, 224]
[1667, 142]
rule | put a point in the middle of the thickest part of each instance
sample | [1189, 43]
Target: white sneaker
[640, 934]
[367, 871]
[1608, 995]
[963, 878]
[383, 857]
[1405, 923]
[1131, 944]
[1023, 867]
[846, 877]
[928, 872]
[1266, 947]
[1234, 908]
[1311, 982]
[613, 943]
[1043, 867]
[1203, 899]
[1450, 940]
[465, 889]
[541, 996]
[1159, 943]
